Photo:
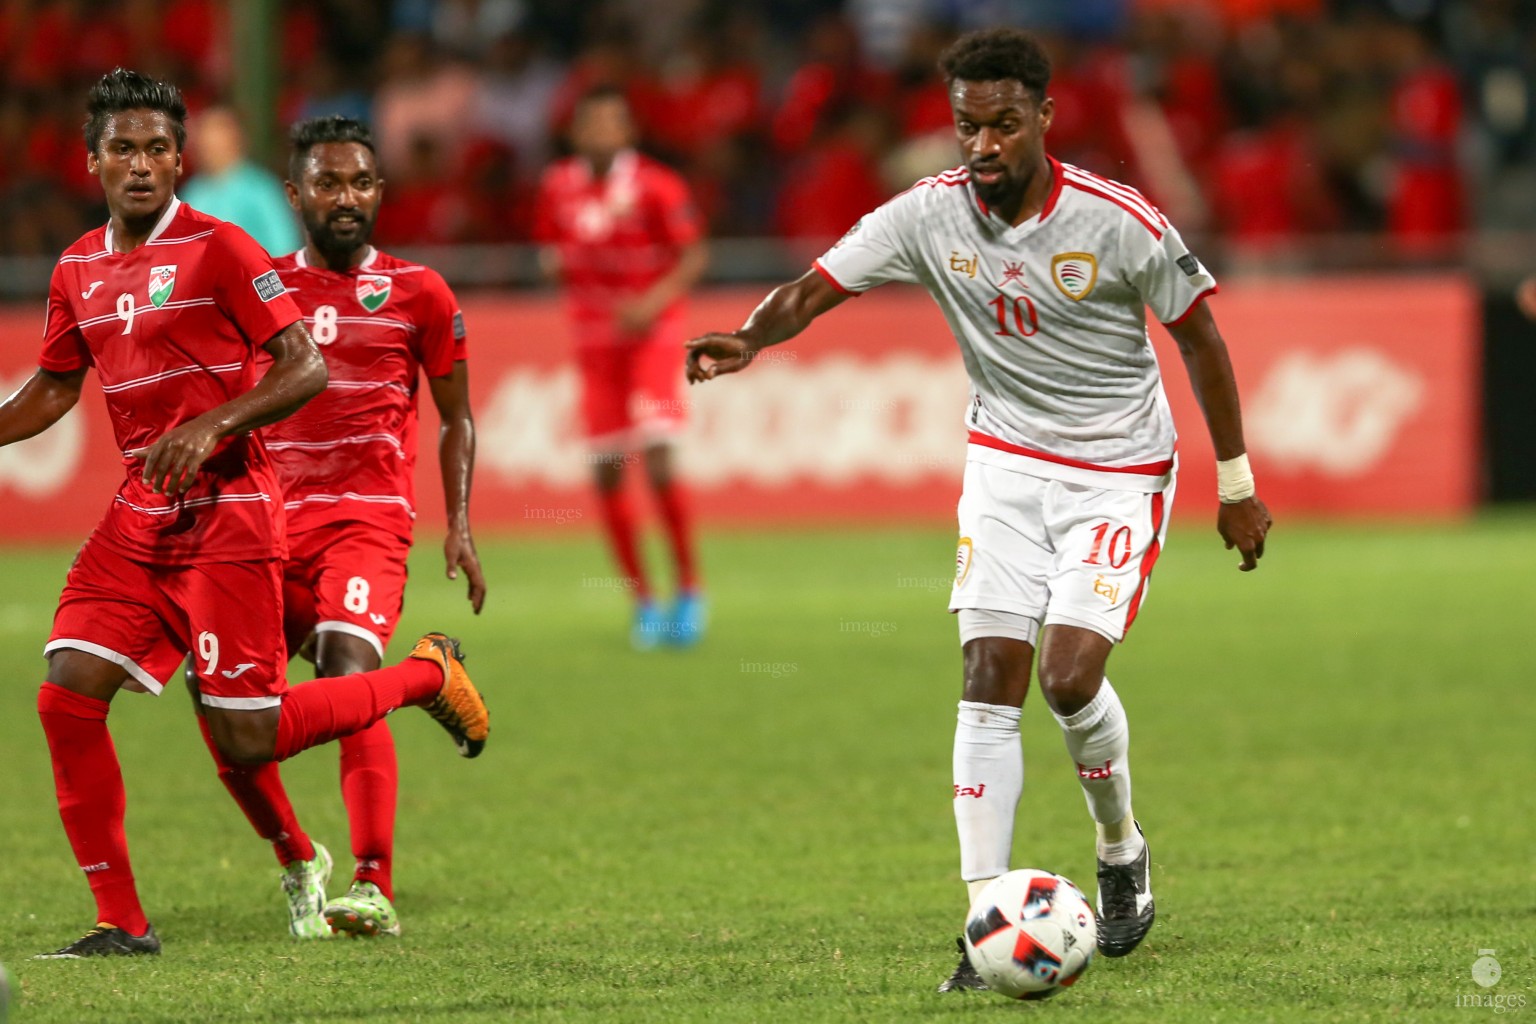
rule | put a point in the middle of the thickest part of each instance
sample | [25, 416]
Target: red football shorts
[146, 618]
[346, 578]
[632, 394]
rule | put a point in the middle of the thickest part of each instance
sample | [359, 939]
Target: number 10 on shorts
[1113, 549]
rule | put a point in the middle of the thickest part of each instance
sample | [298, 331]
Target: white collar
[160, 225]
[302, 258]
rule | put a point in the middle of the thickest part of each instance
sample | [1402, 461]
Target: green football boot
[364, 911]
[304, 884]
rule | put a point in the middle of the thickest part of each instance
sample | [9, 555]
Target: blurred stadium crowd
[1256, 121]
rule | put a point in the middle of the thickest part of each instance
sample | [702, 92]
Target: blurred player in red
[620, 232]
[172, 307]
[345, 462]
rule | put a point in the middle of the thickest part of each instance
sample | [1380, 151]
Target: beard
[1005, 193]
[342, 243]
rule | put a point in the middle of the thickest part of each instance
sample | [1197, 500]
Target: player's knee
[343, 654]
[996, 671]
[658, 466]
[246, 750]
[245, 737]
[332, 664]
[1068, 686]
[609, 474]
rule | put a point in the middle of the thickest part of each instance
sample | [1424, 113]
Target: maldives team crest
[1074, 273]
[373, 291]
[161, 281]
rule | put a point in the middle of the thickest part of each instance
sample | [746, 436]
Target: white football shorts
[1054, 552]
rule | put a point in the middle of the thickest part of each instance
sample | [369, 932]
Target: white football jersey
[1049, 315]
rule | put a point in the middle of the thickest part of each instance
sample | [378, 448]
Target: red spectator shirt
[350, 454]
[616, 236]
[173, 329]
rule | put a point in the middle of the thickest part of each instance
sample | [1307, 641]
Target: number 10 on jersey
[1023, 323]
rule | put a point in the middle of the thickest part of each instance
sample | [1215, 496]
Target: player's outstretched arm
[296, 375]
[38, 404]
[456, 458]
[1243, 521]
[788, 310]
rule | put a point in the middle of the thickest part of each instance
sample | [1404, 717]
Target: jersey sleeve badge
[268, 286]
[1075, 273]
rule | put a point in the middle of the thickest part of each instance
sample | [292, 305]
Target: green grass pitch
[1333, 759]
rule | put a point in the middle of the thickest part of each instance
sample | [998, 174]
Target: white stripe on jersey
[219, 499]
[365, 385]
[389, 439]
[374, 499]
[1130, 195]
[377, 321]
[146, 310]
[85, 259]
[154, 377]
[178, 241]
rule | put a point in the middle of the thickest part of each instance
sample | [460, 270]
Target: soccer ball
[1030, 934]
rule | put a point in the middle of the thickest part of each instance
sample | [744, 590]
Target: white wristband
[1234, 480]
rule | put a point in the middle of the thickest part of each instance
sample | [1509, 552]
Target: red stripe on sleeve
[1212, 290]
[834, 282]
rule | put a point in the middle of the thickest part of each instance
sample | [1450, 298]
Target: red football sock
[619, 524]
[327, 709]
[258, 789]
[370, 779]
[89, 782]
[673, 503]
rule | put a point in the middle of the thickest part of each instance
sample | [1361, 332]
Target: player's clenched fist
[172, 462]
[727, 353]
[1244, 525]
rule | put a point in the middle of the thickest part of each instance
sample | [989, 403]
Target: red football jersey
[349, 455]
[616, 236]
[173, 329]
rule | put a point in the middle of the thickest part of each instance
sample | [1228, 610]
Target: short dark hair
[997, 54]
[119, 90]
[306, 135]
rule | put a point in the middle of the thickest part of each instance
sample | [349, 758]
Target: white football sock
[989, 779]
[1099, 741]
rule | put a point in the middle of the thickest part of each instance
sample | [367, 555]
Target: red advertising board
[1360, 395]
